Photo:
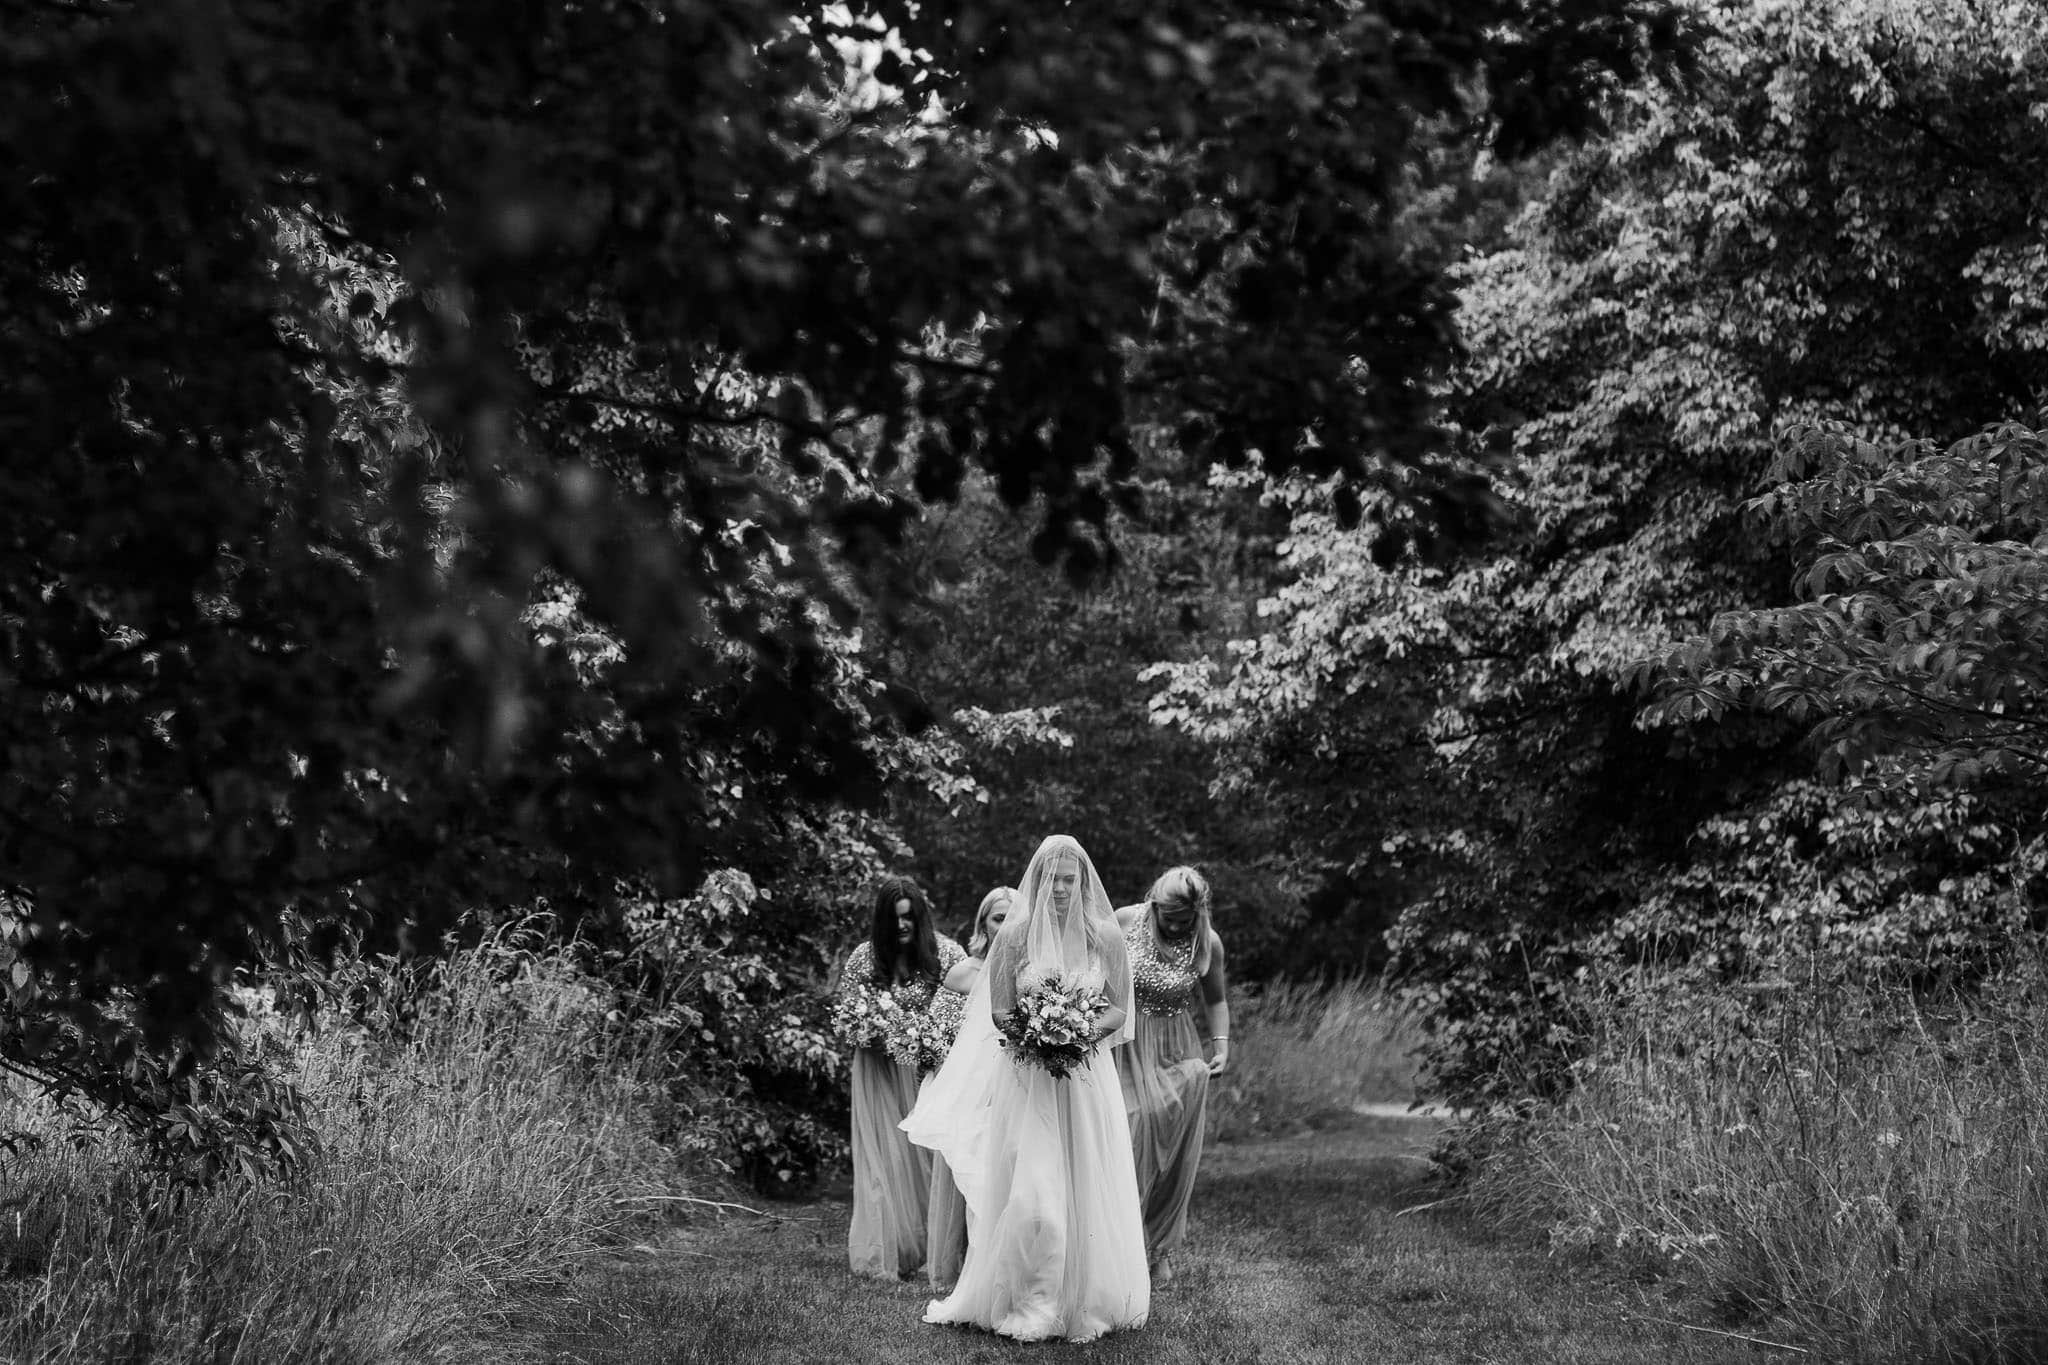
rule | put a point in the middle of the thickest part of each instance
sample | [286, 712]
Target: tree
[1807, 231]
[1917, 653]
[990, 636]
[1912, 663]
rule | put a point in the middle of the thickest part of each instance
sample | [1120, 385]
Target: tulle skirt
[1058, 1247]
[945, 1236]
[891, 1176]
[1166, 1099]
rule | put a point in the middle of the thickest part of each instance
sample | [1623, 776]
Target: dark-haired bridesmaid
[906, 957]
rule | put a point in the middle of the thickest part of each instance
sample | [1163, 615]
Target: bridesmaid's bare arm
[1216, 1006]
[960, 979]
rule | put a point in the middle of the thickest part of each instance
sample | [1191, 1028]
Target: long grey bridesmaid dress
[891, 1175]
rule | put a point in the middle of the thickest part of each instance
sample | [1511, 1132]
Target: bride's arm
[1117, 987]
[1002, 980]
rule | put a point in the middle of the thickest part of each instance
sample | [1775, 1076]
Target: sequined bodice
[1161, 975]
[949, 1009]
[913, 994]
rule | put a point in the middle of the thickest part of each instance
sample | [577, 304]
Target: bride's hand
[1109, 1023]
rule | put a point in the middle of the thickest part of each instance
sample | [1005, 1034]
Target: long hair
[1184, 885]
[923, 951]
[979, 939]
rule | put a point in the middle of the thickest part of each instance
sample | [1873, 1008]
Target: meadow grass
[1302, 1250]
[1311, 1240]
[484, 1176]
[1305, 1054]
[463, 1167]
[1862, 1166]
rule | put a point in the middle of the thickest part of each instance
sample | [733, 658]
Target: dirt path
[1303, 1249]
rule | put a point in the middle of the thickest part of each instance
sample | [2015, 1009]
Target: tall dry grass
[461, 1167]
[1303, 1053]
[1850, 1159]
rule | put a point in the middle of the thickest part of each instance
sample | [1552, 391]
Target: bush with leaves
[1918, 653]
[755, 1077]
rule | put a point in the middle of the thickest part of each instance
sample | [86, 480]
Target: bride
[1055, 1241]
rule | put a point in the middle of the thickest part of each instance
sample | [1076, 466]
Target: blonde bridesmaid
[946, 1226]
[906, 957]
[1177, 968]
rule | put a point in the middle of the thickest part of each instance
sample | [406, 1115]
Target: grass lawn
[1299, 1251]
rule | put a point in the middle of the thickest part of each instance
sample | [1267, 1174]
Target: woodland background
[515, 516]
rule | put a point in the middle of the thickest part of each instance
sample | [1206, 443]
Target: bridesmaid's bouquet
[1053, 1026]
[948, 1010]
[866, 1017]
[922, 1042]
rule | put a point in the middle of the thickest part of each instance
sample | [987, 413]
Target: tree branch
[935, 362]
[679, 415]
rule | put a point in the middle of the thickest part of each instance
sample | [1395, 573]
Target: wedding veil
[1059, 925]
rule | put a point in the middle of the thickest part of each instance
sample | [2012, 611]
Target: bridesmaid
[1175, 958]
[946, 1226]
[905, 956]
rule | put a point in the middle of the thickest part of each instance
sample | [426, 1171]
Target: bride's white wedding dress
[1055, 1239]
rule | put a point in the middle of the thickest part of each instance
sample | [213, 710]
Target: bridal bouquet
[1053, 1025]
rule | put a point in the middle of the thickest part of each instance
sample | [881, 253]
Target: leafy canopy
[1837, 218]
[453, 442]
[1919, 651]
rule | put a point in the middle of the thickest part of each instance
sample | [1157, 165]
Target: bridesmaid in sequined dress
[905, 956]
[946, 1224]
[1177, 964]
